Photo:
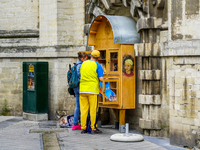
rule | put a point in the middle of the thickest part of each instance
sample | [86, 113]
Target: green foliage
[5, 109]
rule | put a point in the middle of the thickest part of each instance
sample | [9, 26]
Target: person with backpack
[82, 57]
[91, 73]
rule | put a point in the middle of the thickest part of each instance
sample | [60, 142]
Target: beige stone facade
[168, 58]
[33, 30]
[19, 15]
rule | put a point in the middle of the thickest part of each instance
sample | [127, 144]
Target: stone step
[149, 74]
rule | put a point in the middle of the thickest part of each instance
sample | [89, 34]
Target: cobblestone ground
[4, 118]
[14, 135]
[17, 137]
[74, 140]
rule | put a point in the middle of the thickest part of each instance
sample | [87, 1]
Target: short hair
[82, 55]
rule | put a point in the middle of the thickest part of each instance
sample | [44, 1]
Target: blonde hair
[129, 61]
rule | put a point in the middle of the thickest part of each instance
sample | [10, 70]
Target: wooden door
[113, 61]
[102, 60]
[114, 89]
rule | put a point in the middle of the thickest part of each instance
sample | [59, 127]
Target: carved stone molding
[150, 99]
[19, 34]
[147, 49]
[150, 124]
[149, 23]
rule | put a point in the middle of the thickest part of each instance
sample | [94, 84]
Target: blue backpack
[72, 77]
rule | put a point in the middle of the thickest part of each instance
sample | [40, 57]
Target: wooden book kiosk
[114, 37]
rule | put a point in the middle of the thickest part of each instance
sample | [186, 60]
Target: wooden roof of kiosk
[123, 31]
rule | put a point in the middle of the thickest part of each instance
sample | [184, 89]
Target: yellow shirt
[90, 73]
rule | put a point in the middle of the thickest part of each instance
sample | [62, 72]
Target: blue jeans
[77, 108]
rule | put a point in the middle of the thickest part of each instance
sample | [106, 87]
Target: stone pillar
[149, 25]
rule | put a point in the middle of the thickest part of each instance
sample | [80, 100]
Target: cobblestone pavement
[15, 135]
[103, 142]
[73, 140]
[4, 118]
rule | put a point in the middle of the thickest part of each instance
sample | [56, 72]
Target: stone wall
[19, 15]
[11, 76]
[168, 79]
[71, 15]
[184, 85]
[183, 72]
[48, 23]
[45, 30]
[184, 20]
[19, 24]
[61, 22]
[182, 89]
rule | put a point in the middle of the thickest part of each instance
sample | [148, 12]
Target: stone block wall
[11, 77]
[18, 42]
[39, 30]
[70, 14]
[19, 23]
[184, 86]
[11, 86]
[184, 19]
[183, 72]
[61, 22]
[48, 22]
[19, 14]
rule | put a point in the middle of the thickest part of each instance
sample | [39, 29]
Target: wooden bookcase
[114, 58]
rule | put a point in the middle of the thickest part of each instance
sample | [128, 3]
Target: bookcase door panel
[102, 60]
[111, 91]
[113, 61]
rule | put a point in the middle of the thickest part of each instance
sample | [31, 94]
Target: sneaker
[83, 131]
[76, 127]
[97, 131]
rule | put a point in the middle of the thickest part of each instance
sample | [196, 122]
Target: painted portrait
[128, 66]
